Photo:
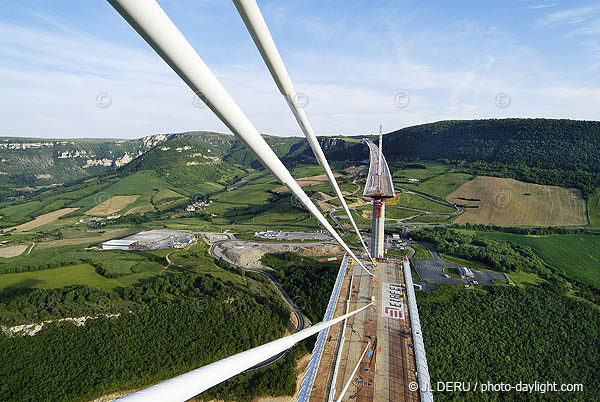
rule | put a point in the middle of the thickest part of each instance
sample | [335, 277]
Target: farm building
[119, 244]
[152, 240]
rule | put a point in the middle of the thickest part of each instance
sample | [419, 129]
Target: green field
[254, 204]
[524, 279]
[440, 186]
[575, 255]
[197, 259]
[432, 169]
[18, 212]
[432, 218]
[86, 195]
[416, 202]
[421, 252]
[80, 274]
[593, 206]
[453, 272]
[58, 277]
[137, 183]
[394, 212]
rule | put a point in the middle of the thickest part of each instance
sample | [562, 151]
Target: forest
[176, 323]
[305, 280]
[543, 151]
[501, 255]
[511, 334]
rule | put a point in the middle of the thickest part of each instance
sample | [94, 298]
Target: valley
[540, 231]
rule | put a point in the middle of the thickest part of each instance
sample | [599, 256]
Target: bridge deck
[379, 181]
[386, 375]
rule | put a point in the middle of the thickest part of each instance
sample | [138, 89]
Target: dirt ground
[248, 254]
[42, 220]
[499, 201]
[13, 251]
[324, 206]
[112, 205]
[307, 181]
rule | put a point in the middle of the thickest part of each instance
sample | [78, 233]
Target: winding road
[302, 320]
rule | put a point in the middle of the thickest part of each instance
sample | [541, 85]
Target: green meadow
[576, 255]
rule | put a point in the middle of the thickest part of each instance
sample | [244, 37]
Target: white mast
[153, 24]
[256, 25]
[188, 385]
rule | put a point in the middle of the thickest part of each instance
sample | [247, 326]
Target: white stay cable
[347, 385]
[153, 24]
[256, 25]
[188, 385]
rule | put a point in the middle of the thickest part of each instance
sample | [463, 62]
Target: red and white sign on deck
[392, 298]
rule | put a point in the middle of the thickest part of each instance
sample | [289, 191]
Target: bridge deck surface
[379, 183]
[385, 376]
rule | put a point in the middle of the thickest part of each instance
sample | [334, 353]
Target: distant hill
[550, 145]
[32, 162]
[539, 143]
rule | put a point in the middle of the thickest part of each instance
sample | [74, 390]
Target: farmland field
[440, 186]
[82, 274]
[13, 251]
[575, 255]
[594, 208]
[307, 181]
[135, 184]
[510, 202]
[416, 202]
[58, 277]
[432, 218]
[112, 205]
[89, 238]
[431, 169]
[42, 220]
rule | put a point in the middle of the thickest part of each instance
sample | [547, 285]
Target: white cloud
[50, 78]
[571, 16]
[540, 6]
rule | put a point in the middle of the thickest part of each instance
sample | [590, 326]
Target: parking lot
[433, 271]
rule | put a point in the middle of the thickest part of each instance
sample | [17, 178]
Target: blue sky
[360, 63]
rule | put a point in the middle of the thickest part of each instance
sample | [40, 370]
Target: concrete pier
[377, 229]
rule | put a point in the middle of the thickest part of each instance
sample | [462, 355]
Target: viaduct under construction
[383, 354]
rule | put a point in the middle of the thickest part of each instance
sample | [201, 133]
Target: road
[302, 321]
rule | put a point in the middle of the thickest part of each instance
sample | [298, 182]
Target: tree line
[511, 334]
[171, 324]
